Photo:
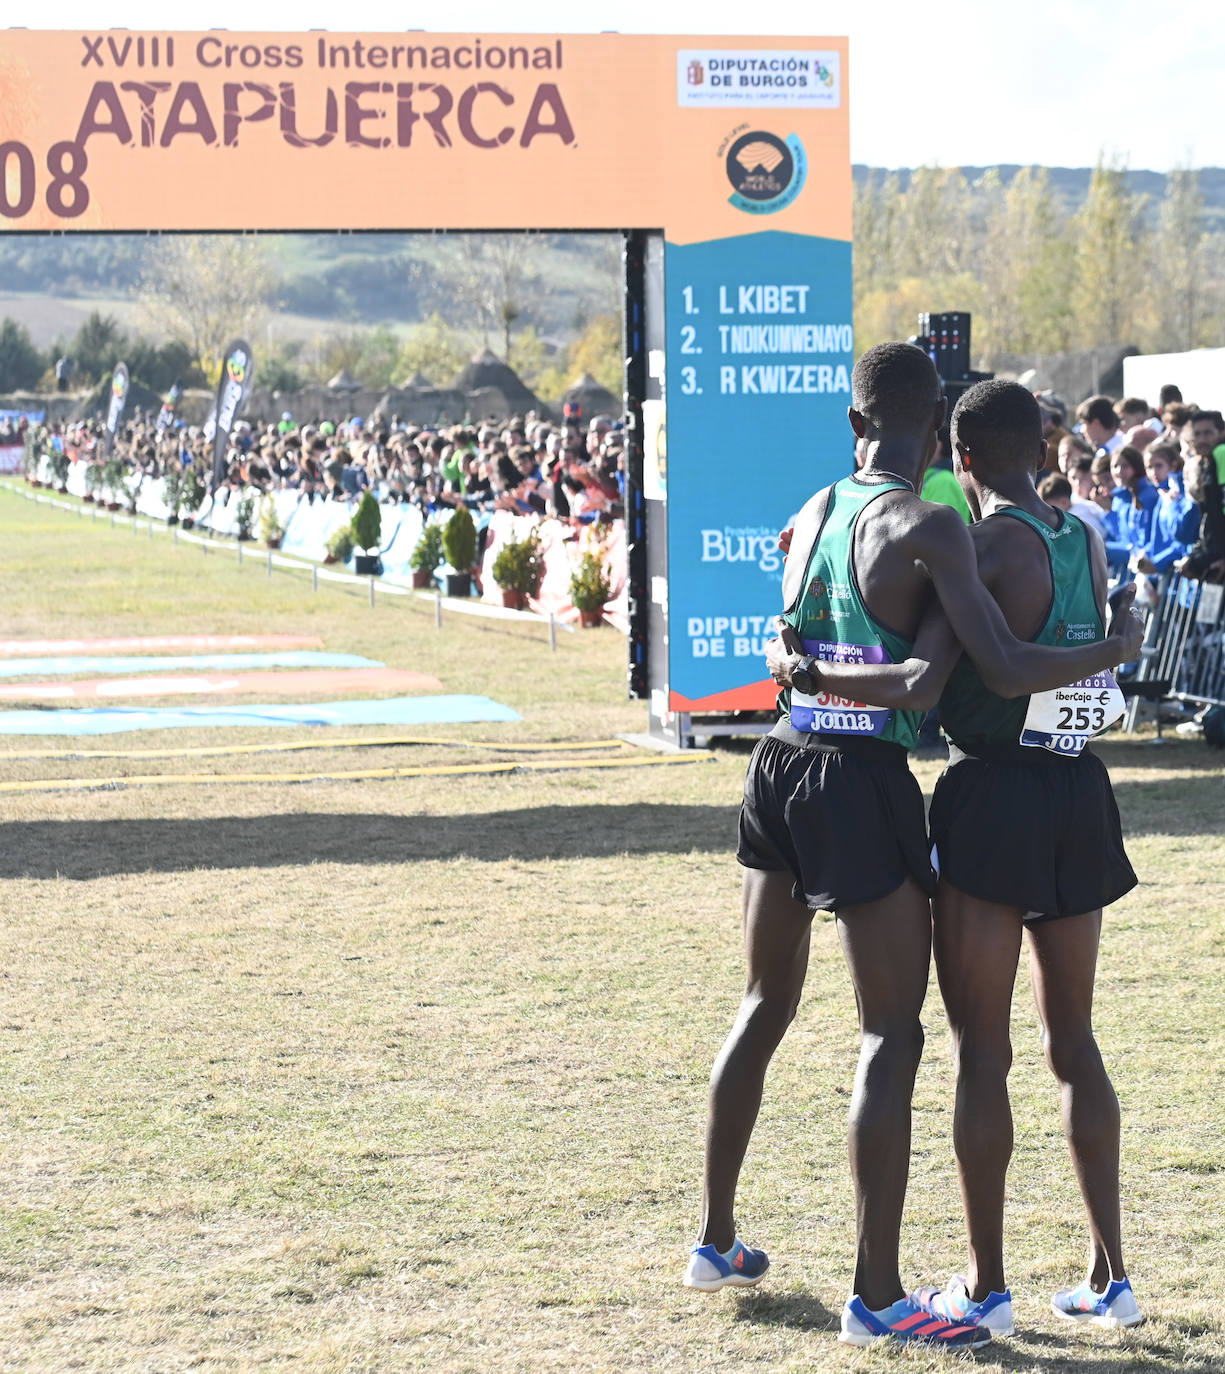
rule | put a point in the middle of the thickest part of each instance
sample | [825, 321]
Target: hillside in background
[362, 279]
[1070, 186]
[1048, 260]
[350, 279]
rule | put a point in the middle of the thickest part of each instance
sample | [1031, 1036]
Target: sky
[953, 82]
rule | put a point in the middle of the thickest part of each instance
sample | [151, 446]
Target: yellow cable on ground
[221, 750]
[362, 774]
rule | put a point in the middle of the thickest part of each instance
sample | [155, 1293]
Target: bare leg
[887, 945]
[977, 946]
[776, 936]
[1063, 962]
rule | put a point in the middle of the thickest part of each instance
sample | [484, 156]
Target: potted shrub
[459, 543]
[270, 528]
[172, 490]
[340, 545]
[193, 494]
[589, 589]
[93, 481]
[427, 554]
[244, 515]
[59, 463]
[367, 528]
[112, 482]
[518, 568]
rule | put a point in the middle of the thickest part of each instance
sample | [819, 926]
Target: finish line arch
[723, 162]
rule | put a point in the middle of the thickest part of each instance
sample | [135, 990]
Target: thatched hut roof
[591, 398]
[488, 373]
[344, 380]
[422, 405]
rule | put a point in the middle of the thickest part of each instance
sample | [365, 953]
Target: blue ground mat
[150, 663]
[114, 720]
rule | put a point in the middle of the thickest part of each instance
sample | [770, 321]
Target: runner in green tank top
[833, 820]
[834, 625]
[1027, 835]
[974, 717]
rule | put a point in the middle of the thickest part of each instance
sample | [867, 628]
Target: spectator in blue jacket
[1132, 504]
[1176, 517]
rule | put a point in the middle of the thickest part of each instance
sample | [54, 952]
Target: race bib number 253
[1066, 719]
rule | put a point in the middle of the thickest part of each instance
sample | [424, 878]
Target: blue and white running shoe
[954, 1304]
[907, 1321]
[1117, 1306]
[710, 1269]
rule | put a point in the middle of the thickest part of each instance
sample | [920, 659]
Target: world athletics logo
[766, 172]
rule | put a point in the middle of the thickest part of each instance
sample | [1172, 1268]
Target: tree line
[198, 291]
[1038, 277]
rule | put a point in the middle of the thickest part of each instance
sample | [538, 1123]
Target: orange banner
[122, 130]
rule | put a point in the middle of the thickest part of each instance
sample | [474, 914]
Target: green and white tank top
[835, 625]
[1062, 720]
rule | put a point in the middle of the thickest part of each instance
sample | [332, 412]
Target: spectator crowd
[1149, 480]
[528, 465]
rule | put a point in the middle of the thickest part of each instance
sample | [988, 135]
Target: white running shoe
[1117, 1306]
[710, 1269]
[907, 1323]
[954, 1304]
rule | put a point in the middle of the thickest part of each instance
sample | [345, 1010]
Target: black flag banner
[233, 389]
[119, 399]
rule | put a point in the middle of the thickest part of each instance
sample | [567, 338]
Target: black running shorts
[843, 816]
[1030, 829]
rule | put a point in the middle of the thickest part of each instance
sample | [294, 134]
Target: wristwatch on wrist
[804, 676]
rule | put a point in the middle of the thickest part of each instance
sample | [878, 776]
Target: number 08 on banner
[63, 187]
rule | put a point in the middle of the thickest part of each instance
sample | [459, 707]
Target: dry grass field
[410, 1074]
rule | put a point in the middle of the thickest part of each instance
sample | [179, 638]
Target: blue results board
[759, 355]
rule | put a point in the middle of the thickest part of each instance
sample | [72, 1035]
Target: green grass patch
[411, 1074]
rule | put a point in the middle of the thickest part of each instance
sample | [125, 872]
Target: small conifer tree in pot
[459, 542]
[367, 531]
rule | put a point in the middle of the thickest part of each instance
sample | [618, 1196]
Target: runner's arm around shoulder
[1009, 667]
[913, 685]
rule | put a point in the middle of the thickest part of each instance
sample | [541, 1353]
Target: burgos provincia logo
[760, 79]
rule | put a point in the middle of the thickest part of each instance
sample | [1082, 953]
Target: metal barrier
[1184, 646]
[1201, 667]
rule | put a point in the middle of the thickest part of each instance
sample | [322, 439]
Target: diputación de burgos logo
[766, 172]
[758, 78]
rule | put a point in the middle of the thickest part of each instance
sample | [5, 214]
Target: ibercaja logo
[766, 172]
[236, 367]
[119, 386]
